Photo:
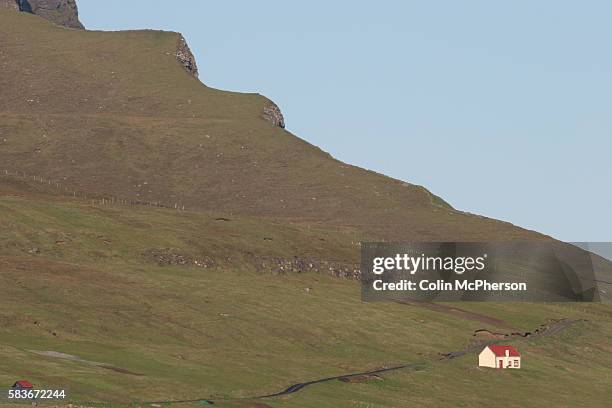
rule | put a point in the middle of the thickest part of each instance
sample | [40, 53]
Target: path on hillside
[552, 328]
[300, 386]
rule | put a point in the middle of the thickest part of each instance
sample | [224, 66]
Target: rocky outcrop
[185, 57]
[170, 257]
[272, 113]
[283, 266]
[10, 4]
[61, 12]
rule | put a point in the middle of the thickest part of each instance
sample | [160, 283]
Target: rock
[170, 257]
[272, 113]
[11, 4]
[185, 57]
[60, 12]
[281, 266]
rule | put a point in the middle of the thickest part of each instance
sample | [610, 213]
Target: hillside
[163, 243]
[114, 113]
[127, 304]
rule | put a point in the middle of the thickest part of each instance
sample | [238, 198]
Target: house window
[516, 363]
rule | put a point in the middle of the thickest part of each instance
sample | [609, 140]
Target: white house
[499, 357]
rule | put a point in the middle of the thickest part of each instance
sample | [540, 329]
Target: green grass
[569, 370]
[115, 114]
[232, 332]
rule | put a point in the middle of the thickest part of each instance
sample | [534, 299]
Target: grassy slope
[572, 369]
[107, 112]
[230, 331]
[115, 113]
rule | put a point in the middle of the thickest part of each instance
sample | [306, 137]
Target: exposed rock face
[185, 57]
[272, 113]
[11, 4]
[61, 12]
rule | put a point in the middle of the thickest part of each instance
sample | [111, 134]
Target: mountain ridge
[141, 125]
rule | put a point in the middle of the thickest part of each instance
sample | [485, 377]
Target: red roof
[24, 384]
[500, 351]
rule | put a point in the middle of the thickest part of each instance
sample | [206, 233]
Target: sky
[501, 108]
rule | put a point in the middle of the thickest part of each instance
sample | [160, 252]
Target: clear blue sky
[502, 108]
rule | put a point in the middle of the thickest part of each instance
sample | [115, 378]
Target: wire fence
[95, 199]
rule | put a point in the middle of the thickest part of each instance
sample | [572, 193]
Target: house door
[501, 364]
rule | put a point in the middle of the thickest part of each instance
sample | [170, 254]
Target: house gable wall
[486, 358]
